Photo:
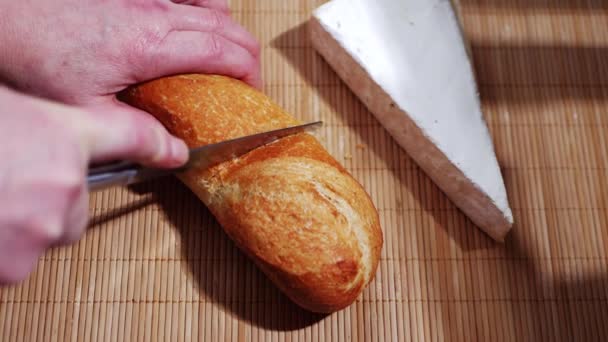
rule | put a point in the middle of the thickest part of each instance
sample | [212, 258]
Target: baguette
[291, 207]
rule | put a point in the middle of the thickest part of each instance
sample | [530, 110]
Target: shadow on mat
[223, 274]
[536, 74]
[100, 219]
[557, 307]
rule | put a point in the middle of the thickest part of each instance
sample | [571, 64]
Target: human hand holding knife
[125, 173]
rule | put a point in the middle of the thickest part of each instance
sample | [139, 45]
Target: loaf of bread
[291, 207]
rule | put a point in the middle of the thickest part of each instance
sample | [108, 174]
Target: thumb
[118, 131]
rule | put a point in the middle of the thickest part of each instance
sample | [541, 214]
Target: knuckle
[76, 223]
[256, 48]
[44, 230]
[50, 195]
[73, 187]
[70, 185]
[145, 140]
[143, 50]
[217, 20]
[214, 47]
[248, 67]
[49, 227]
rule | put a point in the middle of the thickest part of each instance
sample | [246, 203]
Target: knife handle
[99, 181]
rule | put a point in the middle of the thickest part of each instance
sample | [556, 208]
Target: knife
[126, 173]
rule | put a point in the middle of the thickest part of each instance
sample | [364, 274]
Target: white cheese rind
[414, 51]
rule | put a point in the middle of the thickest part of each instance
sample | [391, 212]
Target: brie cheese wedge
[408, 62]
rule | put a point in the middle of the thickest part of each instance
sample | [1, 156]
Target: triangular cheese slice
[408, 62]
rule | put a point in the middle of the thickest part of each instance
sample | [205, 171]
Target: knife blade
[126, 173]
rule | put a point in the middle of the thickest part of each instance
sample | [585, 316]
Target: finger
[118, 131]
[209, 20]
[62, 202]
[30, 230]
[219, 5]
[112, 130]
[17, 255]
[202, 52]
[77, 216]
[17, 262]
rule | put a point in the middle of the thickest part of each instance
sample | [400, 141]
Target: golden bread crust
[290, 206]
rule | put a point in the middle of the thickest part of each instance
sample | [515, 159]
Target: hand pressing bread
[290, 206]
[82, 52]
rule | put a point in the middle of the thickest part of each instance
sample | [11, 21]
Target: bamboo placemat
[156, 266]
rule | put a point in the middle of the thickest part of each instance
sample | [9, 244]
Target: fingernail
[179, 151]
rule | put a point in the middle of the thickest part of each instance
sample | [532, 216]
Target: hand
[45, 152]
[85, 51]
